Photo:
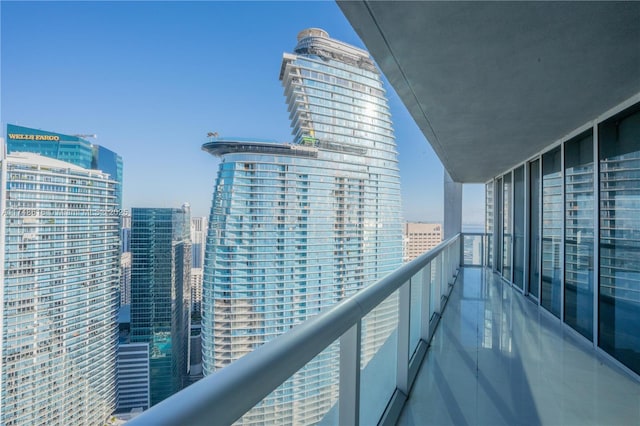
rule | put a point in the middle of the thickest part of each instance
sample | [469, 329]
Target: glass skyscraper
[59, 273]
[295, 228]
[160, 293]
[69, 148]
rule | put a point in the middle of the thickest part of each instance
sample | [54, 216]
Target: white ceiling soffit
[492, 83]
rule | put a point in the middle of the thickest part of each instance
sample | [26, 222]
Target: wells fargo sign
[30, 137]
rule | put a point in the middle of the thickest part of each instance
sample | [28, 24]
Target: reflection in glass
[578, 251]
[518, 227]
[534, 228]
[506, 227]
[619, 291]
[551, 230]
[498, 225]
[489, 223]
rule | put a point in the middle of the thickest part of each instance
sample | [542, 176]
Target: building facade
[565, 227]
[295, 228]
[198, 240]
[72, 149]
[160, 294]
[59, 272]
[125, 278]
[133, 377]
[420, 237]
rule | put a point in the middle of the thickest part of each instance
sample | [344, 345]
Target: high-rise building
[160, 294]
[420, 237]
[125, 278]
[133, 377]
[59, 283]
[196, 294]
[295, 228]
[73, 149]
[198, 240]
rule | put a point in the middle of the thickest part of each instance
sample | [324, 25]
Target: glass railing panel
[473, 249]
[414, 314]
[434, 287]
[378, 359]
[308, 397]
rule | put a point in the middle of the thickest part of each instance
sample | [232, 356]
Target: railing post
[404, 318]
[425, 317]
[349, 392]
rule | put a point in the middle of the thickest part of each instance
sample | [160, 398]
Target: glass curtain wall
[506, 226]
[619, 291]
[579, 225]
[551, 230]
[533, 280]
[518, 227]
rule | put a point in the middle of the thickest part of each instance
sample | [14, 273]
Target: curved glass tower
[295, 228]
[60, 239]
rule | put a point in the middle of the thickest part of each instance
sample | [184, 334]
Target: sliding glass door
[619, 291]
[533, 279]
[551, 231]
[518, 227]
[578, 241]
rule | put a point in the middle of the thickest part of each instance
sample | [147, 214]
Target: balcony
[466, 348]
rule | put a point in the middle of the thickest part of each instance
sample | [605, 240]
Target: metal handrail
[229, 393]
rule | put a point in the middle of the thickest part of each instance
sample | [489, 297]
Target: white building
[59, 236]
[125, 278]
[420, 237]
[133, 377]
[198, 240]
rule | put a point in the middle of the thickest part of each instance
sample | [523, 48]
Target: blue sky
[152, 78]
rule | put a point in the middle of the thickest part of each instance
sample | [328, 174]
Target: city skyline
[180, 76]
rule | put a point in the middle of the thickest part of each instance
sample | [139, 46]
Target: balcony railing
[422, 287]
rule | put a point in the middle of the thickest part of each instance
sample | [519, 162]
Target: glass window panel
[551, 230]
[619, 290]
[579, 224]
[489, 222]
[498, 224]
[518, 227]
[534, 228]
[506, 226]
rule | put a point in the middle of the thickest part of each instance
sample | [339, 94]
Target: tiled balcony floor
[496, 359]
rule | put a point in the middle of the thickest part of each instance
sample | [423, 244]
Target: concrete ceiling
[493, 83]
